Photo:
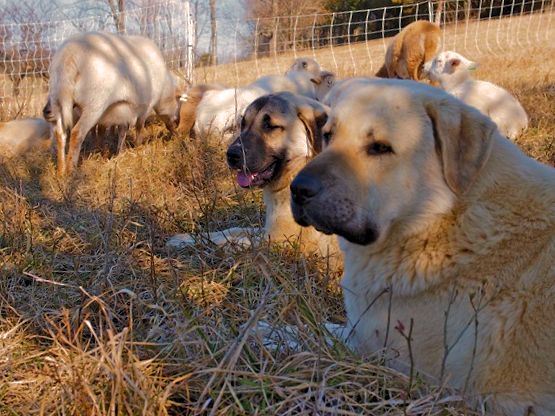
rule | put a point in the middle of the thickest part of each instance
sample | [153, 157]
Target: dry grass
[97, 317]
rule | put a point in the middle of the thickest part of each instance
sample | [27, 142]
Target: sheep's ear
[463, 138]
[313, 115]
[472, 66]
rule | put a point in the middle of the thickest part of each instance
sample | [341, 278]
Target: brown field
[97, 317]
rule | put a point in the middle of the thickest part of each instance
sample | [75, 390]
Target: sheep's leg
[60, 137]
[139, 126]
[76, 138]
[122, 134]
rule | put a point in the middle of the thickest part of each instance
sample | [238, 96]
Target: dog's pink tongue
[244, 179]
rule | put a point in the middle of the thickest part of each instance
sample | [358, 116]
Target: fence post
[312, 36]
[353, 62]
[295, 37]
[256, 36]
[383, 29]
[366, 40]
[439, 11]
[190, 40]
[331, 42]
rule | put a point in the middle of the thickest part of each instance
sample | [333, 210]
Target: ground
[98, 317]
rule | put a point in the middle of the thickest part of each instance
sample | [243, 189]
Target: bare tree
[117, 8]
[199, 11]
[273, 14]
[213, 50]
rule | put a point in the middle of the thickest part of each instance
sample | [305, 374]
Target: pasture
[98, 317]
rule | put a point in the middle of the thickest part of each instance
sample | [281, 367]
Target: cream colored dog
[279, 134]
[448, 236]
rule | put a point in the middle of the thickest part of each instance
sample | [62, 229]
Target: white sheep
[217, 110]
[453, 73]
[307, 65]
[110, 80]
[21, 136]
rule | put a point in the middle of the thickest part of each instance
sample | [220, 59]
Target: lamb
[20, 136]
[322, 80]
[453, 73]
[306, 65]
[409, 50]
[110, 80]
[217, 110]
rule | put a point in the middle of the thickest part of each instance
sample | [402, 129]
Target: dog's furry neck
[280, 223]
[279, 218]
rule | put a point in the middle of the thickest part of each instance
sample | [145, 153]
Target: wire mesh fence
[26, 48]
[354, 43]
[348, 43]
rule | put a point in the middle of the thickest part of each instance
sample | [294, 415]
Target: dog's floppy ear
[463, 139]
[313, 115]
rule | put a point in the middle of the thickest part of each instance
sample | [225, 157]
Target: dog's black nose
[304, 187]
[234, 156]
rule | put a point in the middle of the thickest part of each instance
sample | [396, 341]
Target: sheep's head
[449, 68]
[308, 65]
[169, 104]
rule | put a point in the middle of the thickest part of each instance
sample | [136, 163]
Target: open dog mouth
[249, 179]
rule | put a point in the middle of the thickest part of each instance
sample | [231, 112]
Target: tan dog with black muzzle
[448, 236]
[279, 134]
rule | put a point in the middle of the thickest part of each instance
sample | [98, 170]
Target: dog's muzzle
[304, 187]
[310, 207]
[253, 171]
[234, 156]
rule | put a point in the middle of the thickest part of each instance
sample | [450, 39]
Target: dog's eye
[267, 123]
[378, 148]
